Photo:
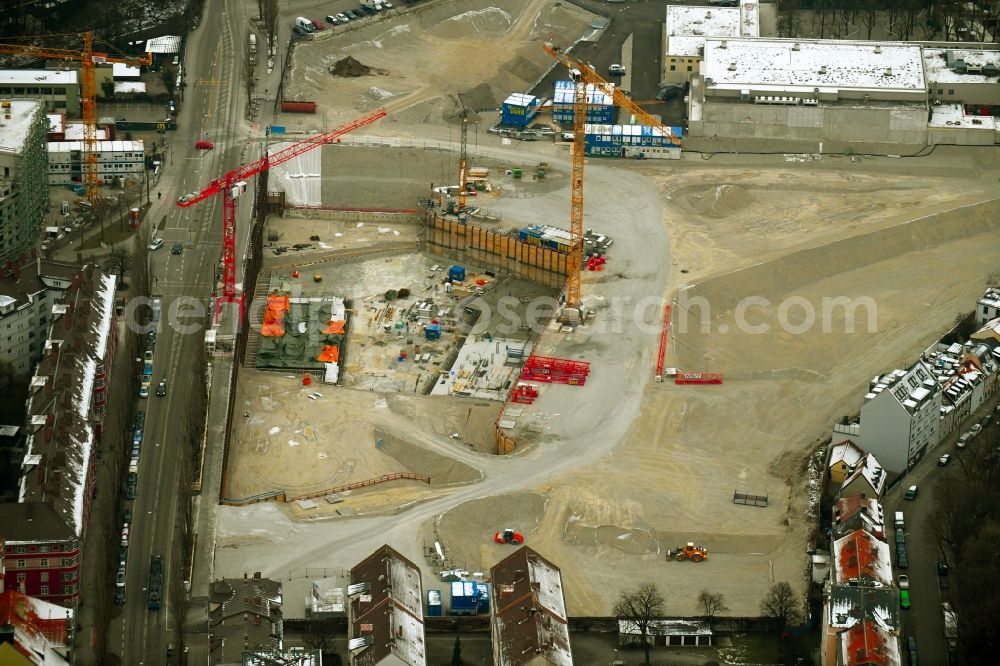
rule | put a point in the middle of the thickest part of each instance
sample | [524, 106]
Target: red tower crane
[233, 184]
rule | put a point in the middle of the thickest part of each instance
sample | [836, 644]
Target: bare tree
[712, 603]
[320, 634]
[249, 75]
[640, 608]
[788, 12]
[140, 263]
[270, 15]
[872, 9]
[781, 604]
[119, 261]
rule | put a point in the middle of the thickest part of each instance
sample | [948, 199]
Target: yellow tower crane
[582, 74]
[88, 59]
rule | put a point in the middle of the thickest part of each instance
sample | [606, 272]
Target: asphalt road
[924, 619]
[211, 109]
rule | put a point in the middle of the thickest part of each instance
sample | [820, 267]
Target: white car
[155, 244]
[975, 429]
[343, 17]
[387, 4]
[616, 70]
[904, 582]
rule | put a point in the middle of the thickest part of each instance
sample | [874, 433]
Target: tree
[249, 76]
[640, 608]
[712, 603]
[321, 634]
[270, 16]
[108, 89]
[119, 261]
[781, 604]
[456, 653]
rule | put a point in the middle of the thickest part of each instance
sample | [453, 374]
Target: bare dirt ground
[430, 55]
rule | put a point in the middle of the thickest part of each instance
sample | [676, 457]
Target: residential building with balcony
[24, 196]
[41, 553]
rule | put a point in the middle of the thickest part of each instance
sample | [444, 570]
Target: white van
[305, 24]
[898, 522]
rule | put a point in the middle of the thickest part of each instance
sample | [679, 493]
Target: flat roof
[936, 65]
[55, 122]
[14, 130]
[130, 87]
[687, 27]
[565, 93]
[791, 64]
[954, 116]
[102, 146]
[38, 76]
[121, 70]
[164, 44]
[521, 99]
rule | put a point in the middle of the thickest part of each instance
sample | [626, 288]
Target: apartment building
[901, 416]
[24, 197]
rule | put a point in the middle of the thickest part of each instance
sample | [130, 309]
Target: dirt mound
[467, 529]
[419, 460]
[718, 201]
[349, 66]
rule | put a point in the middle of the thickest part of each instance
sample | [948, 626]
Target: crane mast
[233, 184]
[582, 75]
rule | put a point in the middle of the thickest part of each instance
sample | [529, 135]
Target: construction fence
[496, 250]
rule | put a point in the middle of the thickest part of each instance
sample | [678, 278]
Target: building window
[22, 578]
[689, 68]
[44, 563]
[673, 68]
[44, 577]
[20, 564]
[67, 576]
[951, 91]
[19, 549]
[44, 590]
[43, 549]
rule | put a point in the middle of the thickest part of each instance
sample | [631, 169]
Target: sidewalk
[96, 585]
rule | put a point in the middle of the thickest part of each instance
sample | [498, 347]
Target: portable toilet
[456, 273]
[432, 332]
[434, 603]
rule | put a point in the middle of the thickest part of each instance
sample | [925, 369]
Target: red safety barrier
[555, 370]
[663, 340]
[698, 378]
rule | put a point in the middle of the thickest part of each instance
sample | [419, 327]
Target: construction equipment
[582, 74]
[688, 552]
[509, 536]
[88, 59]
[233, 184]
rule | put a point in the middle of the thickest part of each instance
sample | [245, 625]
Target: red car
[204, 145]
[319, 25]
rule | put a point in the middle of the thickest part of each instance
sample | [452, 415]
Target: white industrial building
[811, 91]
[988, 306]
[901, 416]
[58, 89]
[686, 28]
[115, 159]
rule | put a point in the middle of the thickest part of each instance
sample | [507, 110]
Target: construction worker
[159, 195]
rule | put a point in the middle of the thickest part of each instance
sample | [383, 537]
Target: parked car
[944, 460]
[942, 568]
[352, 14]
[161, 388]
[319, 25]
[986, 420]
[120, 579]
[176, 248]
[386, 4]
[120, 596]
[155, 244]
[130, 488]
[976, 428]
[616, 70]
[332, 20]
[668, 92]
[122, 556]
[901, 561]
[344, 18]
[367, 11]
[128, 517]
[144, 390]
[964, 440]
[904, 599]
[904, 581]
[911, 493]
[204, 145]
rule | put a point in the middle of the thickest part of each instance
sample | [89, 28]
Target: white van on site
[305, 24]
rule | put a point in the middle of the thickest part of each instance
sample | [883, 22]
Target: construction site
[486, 382]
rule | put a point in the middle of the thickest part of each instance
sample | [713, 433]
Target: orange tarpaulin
[336, 326]
[330, 354]
[274, 316]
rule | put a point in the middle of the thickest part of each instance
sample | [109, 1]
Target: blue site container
[470, 597]
[432, 332]
[518, 110]
[600, 106]
[434, 603]
[456, 273]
